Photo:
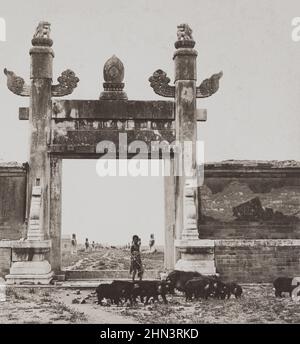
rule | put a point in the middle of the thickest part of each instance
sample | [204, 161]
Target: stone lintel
[113, 109]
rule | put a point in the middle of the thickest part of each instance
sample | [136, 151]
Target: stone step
[106, 274]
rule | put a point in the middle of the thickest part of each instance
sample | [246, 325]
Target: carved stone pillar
[29, 256]
[31, 265]
[55, 212]
[40, 118]
[190, 248]
[191, 253]
[169, 192]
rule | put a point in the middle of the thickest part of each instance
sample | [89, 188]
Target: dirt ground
[110, 259]
[53, 305]
[34, 306]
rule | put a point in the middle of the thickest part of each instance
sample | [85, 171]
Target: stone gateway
[198, 220]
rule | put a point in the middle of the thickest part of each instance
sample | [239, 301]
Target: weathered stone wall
[12, 200]
[252, 212]
[250, 201]
[5, 259]
[256, 261]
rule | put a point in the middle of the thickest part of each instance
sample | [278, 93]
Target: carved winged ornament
[66, 84]
[16, 84]
[209, 86]
[160, 84]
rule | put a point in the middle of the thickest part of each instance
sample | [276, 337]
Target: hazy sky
[254, 115]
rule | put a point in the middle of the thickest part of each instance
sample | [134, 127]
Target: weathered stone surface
[67, 82]
[205, 267]
[86, 141]
[209, 86]
[170, 219]
[5, 260]
[256, 261]
[16, 84]
[35, 230]
[227, 186]
[113, 73]
[160, 84]
[12, 200]
[55, 212]
[78, 126]
[186, 131]
[107, 274]
[113, 109]
[23, 114]
[32, 272]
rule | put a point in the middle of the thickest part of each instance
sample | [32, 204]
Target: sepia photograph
[149, 165]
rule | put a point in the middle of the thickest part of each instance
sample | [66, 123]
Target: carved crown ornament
[113, 74]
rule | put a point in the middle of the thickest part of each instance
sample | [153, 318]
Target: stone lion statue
[184, 32]
[42, 30]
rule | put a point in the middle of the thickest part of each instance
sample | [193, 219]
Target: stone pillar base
[30, 272]
[196, 255]
[29, 265]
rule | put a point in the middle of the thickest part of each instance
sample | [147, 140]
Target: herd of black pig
[192, 284]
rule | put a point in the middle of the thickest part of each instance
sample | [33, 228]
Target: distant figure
[73, 244]
[136, 265]
[87, 245]
[93, 246]
[152, 248]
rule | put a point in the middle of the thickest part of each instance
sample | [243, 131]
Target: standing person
[87, 245]
[152, 248]
[136, 265]
[93, 246]
[74, 244]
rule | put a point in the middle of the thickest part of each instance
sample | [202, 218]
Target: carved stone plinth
[26, 278]
[29, 265]
[196, 255]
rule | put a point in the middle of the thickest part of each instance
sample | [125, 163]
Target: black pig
[283, 284]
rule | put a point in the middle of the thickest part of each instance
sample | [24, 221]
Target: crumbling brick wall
[256, 261]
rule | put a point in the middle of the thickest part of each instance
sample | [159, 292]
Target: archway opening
[108, 211]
